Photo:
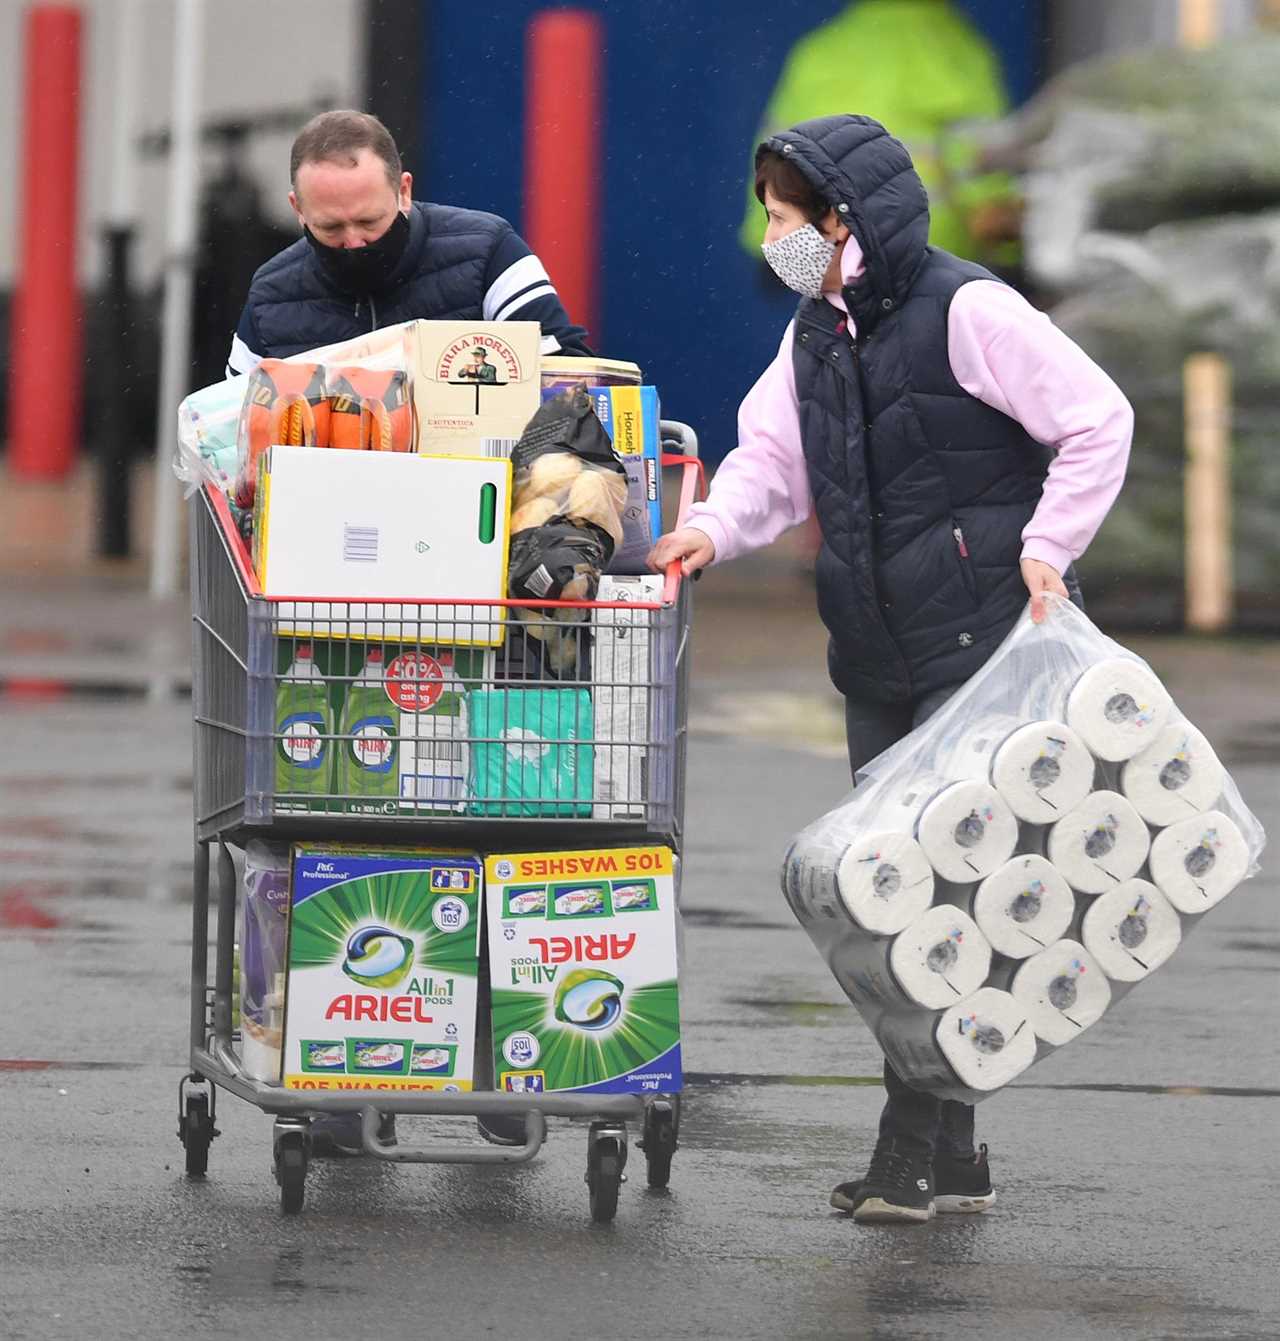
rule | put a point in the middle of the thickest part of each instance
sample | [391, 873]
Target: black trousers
[912, 1122]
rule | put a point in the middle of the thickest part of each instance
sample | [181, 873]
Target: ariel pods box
[582, 959]
[383, 958]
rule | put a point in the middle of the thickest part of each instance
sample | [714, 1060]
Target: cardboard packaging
[383, 526]
[476, 384]
[408, 700]
[383, 963]
[582, 960]
[621, 666]
[562, 373]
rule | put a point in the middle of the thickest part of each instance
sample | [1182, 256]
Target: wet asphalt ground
[1135, 1170]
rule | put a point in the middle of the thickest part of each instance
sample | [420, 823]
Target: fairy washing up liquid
[368, 751]
[304, 727]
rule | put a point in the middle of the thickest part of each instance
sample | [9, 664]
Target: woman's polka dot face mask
[800, 259]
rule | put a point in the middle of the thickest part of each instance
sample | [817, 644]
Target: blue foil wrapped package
[528, 755]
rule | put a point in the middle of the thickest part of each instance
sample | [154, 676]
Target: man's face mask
[800, 259]
[361, 270]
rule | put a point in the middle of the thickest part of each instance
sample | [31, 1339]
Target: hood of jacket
[871, 183]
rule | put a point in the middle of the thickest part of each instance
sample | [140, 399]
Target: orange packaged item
[369, 409]
[284, 403]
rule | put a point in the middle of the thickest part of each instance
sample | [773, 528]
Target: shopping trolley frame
[226, 600]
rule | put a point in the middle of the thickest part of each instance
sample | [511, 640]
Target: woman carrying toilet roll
[958, 451]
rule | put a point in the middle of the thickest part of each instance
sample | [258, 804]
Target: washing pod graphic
[589, 999]
[377, 956]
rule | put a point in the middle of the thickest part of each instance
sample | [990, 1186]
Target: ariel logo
[377, 956]
[589, 999]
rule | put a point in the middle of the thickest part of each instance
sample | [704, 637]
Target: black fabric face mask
[361, 270]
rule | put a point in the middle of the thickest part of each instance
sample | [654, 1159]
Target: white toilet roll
[940, 958]
[882, 882]
[1199, 861]
[1023, 907]
[1176, 776]
[1063, 990]
[1102, 842]
[1041, 769]
[967, 831]
[1118, 707]
[1131, 931]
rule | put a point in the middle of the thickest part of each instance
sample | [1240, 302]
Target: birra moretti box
[383, 959]
[582, 957]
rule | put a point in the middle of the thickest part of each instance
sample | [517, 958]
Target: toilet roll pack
[1005, 874]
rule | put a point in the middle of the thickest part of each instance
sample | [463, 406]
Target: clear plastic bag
[263, 936]
[1003, 875]
[357, 393]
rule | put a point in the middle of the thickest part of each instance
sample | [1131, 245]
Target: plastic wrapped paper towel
[1176, 776]
[1041, 769]
[1131, 931]
[881, 882]
[1118, 707]
[1023, 907]
[1199, 861]
[1101, 843]
[938, 960]
[966, 1052]
[1025, 892]
[1063, 989]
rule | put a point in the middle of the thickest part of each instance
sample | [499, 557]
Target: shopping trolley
[237, 632]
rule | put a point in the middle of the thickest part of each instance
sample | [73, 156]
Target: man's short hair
[338, 136]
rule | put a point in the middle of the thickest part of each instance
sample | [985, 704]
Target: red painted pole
[45, 370]
[562, 161]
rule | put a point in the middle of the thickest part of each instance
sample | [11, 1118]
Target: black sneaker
[897, 1189]
[963, 1186]
[338, 1135]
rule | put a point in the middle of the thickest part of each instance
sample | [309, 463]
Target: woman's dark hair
[787, 183]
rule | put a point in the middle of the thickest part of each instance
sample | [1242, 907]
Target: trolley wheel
[606, 1159]
[291, 1172]
[659, 1143]
[197, 1133]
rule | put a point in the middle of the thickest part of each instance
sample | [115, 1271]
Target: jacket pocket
[965, 561]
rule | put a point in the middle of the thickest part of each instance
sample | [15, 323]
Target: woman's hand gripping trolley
[565, 730]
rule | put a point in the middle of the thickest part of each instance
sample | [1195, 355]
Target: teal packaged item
[526, 755]
[304, 728]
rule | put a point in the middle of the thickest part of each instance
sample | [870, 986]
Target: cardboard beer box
[383, 963]
[582, 960]
[476, 384]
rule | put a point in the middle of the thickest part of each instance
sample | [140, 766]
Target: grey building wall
[1079, 29]
[258, 55]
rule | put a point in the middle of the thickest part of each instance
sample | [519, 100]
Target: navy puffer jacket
[921, 490]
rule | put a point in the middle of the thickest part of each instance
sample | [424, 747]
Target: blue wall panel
[685, 86]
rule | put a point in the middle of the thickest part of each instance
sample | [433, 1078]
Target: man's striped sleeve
[243, 357]
[518, 288]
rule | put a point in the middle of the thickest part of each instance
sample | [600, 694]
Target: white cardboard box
[621, 695]
[384, 526]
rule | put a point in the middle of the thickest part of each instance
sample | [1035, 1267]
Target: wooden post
[1199, 23]
[1206, 386]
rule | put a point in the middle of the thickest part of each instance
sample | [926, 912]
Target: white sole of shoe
[953, 1205]
[876, 1211]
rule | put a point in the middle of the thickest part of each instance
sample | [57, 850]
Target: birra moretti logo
[457, 356]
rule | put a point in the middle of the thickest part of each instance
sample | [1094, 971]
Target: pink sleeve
[1015, 359]
[762, 487]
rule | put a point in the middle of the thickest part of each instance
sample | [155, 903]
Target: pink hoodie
[1001, 351]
